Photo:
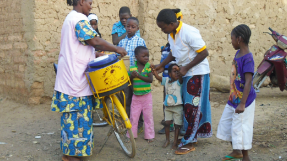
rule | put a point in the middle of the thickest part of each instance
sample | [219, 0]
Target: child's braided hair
[72, 2]
[243, 31]
[168, 16]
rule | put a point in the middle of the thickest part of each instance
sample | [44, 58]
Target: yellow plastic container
[110, 79]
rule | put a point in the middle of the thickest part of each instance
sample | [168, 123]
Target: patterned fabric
[240, 66]
[97, 103]
[119, 28]
[197, 111]
[84, 31]
[130, 44]
[76, 125]
[65, 103]
[141, 87]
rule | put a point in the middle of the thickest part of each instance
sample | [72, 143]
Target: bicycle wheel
[120, 130]
[97, 118]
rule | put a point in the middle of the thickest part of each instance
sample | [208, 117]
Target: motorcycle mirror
[274, 32]
[270, 29]
[267, 33]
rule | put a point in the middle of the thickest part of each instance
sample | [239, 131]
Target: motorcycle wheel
[257, 79]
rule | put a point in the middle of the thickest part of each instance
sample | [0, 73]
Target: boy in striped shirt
[141, 77]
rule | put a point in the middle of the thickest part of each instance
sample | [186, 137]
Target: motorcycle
[274, 64]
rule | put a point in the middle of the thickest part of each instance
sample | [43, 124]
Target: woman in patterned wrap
[72, 96]
[189, 52]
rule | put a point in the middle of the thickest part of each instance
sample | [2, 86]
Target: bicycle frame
[119, 107]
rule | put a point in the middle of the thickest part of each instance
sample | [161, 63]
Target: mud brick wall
[30, 33]
[49, 16]
[14, 56]
[215, 19]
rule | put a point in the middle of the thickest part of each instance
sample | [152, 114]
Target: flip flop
[227, 157]
[182, 153]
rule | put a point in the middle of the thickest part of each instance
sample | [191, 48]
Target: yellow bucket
[110, 79]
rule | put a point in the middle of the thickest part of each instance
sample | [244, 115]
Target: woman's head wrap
[179, 15]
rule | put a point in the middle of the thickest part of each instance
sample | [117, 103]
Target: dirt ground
[21, 123]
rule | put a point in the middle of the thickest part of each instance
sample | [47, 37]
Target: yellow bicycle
[107, 84]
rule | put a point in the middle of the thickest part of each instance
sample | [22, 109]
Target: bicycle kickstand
[106, 139]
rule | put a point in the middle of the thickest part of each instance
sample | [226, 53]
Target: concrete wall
[30, 33]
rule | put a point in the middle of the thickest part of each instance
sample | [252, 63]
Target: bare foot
[166, 144]
[246, 158]
[150, 140]
[65, 158]
[70, 158]
[174, 146]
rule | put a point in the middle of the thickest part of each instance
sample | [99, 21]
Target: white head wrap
[93, 17]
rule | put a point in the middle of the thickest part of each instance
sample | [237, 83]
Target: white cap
[93, 17]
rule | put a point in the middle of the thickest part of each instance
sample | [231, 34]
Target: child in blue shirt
[119, 30]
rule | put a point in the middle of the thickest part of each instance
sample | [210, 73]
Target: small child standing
[165, 50]
[236, 123]
[141, 77]
[173, 102]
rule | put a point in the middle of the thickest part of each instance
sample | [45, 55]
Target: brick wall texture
[30, 34]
